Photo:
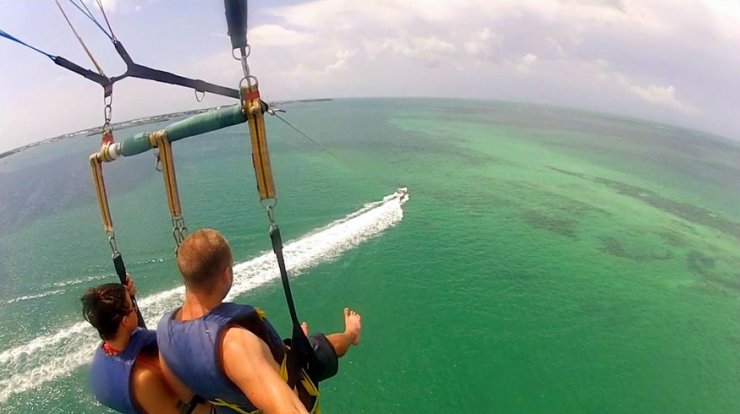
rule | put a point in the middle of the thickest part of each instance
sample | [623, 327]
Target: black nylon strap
[236, 21]
[121, 271]
[86, 73]
[189, 407]
[301, 354]
[143, 72]
[135, 70]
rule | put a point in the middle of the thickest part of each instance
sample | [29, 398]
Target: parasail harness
[300, 360]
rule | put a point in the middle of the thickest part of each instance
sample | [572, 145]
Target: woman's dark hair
[104, 307]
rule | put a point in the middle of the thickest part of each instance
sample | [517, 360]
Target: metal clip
[157, 160]
[112, 243]
[179, 230]
[271, 215]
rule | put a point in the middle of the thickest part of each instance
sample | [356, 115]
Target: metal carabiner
[112, 243]
[157, 160]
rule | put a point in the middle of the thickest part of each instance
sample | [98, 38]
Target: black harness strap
[189, 407]
[236, 21]
[134, 70]
[121, 272]
[101, 80]
[301, 355]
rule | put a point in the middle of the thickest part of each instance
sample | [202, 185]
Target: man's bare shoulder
[249, 364]
[244, 343]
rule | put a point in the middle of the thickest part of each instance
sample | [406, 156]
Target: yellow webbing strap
[217, 402]
[97, 171]
[306, 382]
[252, 107]
[168, 171]
[313, 391]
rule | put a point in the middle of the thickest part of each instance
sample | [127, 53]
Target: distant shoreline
[139, 121]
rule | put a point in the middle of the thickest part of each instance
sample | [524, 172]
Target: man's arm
[249, 364]
[183, 393]
[149, 388]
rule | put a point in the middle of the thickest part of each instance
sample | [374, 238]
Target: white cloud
[632, 49]
[341, 62]
[108, 5]
[529, 59]
[482, 44]
[660, 95]
[673, 61]
[427, 48]
[275, 35]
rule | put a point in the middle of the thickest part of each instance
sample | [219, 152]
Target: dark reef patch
[699, 263]
[672, 238]
[563, 226]
[614, 247]
[685, 211]
[705, 267]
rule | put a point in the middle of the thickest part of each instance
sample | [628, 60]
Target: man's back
[228, 356]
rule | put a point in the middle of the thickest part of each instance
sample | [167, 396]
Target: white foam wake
[56, 288]
[50, 357]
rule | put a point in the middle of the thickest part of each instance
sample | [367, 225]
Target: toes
[347, 312]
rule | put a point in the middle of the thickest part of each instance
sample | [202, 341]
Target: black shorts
[326, 355]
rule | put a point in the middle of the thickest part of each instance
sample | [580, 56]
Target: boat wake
[56, 288]
[49, 357]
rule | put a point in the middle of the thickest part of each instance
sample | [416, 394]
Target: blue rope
[10, 37]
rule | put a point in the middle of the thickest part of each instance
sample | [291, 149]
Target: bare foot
[304, 327]
[352, 325]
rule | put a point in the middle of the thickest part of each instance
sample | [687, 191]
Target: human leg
[351, 335]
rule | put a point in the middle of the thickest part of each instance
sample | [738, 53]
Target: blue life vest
[111, 374]
[193, 353]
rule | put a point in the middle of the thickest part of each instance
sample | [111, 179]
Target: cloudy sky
[671, 61]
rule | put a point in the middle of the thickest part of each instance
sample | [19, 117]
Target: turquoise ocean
[547, 260]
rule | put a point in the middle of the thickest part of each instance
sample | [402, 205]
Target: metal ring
[248, 52]
[247, 79]
[203, 94]
[269, 203]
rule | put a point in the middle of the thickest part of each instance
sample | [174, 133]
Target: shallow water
[548, 260]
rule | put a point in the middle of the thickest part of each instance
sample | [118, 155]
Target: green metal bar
[135, 145]
[195, 125]
[205, 122]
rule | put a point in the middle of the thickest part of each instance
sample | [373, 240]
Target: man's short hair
[104, 307]
[201, 258]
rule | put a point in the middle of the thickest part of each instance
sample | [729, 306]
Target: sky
[669, 61]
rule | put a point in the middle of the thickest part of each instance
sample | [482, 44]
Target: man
[228, 353]
[125, 373]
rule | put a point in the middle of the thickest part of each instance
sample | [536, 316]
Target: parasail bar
[195, 125]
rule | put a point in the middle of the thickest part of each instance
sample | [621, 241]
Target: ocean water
[546, 261]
